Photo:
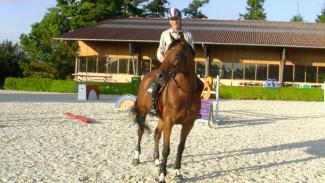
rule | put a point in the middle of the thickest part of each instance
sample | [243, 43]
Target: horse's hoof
[135, 162]
[157, 162]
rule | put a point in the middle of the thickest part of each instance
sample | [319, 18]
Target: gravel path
[258, 141]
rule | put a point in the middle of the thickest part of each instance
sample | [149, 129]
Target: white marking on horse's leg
[162, 177]
[157, 162]
[136, 154]
[178, 172]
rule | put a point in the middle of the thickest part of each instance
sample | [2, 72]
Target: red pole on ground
[80, 118]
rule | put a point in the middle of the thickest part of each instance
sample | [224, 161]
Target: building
[242, 52]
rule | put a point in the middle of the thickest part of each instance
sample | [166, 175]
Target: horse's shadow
[315, 148]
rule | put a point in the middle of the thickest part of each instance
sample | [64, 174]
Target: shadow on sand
[52, 97]
[315, 148]
[257, 118]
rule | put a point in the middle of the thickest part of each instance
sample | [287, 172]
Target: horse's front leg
[137, 151]
[186, 128]
[165, 152]
[157, 137]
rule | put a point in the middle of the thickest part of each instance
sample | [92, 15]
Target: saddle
[161, 84]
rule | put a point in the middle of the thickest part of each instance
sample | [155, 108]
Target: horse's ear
[171, 37]
[181, 35]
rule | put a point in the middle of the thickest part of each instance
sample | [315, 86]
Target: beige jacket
[165, 41]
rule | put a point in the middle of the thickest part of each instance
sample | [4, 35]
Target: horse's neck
[186, 82]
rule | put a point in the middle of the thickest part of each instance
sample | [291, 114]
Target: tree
[133, 8]
[192, 11]
[297, 18]
[255, 11]
[10, 54]
[47, 58]
[156, 8]
[52, 59]
[321, 17]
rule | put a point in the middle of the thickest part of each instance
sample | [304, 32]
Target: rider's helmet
[174, 13]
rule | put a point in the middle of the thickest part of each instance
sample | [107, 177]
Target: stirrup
[153, 111]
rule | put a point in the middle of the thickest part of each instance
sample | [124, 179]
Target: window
[131, 64]
[145, 66]
[82, 64]
[274, 72]
[250, 71]
[102, 63]
[238, 70]
[226, 71]
[299, 73]
[91, 67]
[123, 66]
[311, 74]
[321, 74]
[112, 65]
[214, 70]
[288, 73]
[200, 68]
[261, 72]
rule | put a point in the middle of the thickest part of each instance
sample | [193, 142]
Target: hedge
[296, 94]
[66, 86]
[226, 92]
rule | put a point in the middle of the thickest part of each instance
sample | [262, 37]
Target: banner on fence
[206, 110]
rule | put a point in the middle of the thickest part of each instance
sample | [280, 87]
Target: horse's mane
[177, 41]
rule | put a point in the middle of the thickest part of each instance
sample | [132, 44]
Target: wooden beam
[207, 60]
[282, 63]
[76, 65]
[131, 48]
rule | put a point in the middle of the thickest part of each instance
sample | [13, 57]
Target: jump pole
[77, 117]
[216, 118]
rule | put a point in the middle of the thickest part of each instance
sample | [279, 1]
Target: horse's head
[179, 57]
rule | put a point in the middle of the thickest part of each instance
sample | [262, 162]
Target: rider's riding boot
[153, 91]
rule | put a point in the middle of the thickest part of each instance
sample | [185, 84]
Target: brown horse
[179, 102]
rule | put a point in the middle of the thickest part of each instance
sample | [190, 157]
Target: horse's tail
[139, 118]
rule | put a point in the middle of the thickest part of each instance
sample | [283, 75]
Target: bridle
[172, 72]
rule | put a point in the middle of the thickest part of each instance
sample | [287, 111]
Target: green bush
[66, 86]
[226, 92]
[116, 88]
[298, 94]
[35, 84]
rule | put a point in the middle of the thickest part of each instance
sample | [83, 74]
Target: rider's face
[175, 24]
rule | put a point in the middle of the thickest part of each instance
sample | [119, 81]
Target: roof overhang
[197, 43]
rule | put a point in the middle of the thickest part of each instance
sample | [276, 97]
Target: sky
[17, 16]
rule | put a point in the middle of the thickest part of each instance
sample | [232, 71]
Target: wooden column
[207, 57]
[135, 64]
[97, 59]
[282, 63]
[76, 65]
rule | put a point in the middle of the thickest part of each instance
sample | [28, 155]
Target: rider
[174, 19]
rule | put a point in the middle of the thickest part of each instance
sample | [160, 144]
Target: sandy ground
[258, 141]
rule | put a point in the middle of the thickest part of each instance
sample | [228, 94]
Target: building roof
[205, 31]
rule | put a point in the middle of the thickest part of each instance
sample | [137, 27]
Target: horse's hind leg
[137, 151]
[186, 128]
[157, 137]
[140, 119]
